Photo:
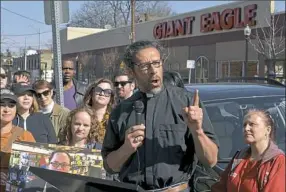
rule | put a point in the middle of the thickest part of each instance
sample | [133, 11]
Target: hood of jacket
[271, 152]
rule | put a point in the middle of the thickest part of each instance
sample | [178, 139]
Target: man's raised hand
[193, 114]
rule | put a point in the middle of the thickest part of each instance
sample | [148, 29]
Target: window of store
[236, 68]
[202, 69]
[252, 69]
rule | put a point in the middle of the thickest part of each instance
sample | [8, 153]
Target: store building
[213, 37]
[38, 63]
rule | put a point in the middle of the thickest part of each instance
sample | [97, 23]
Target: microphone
[139, 108]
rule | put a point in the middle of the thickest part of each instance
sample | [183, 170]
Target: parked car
[226, 103]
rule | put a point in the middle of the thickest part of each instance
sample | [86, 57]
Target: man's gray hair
[134, 48]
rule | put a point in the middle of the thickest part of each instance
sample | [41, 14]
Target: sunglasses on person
[58, 164]
[3, 76]
[122, 83]
[8, 104]
[106, 92]
[44, 93]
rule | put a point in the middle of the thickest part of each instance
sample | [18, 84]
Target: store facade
[212, 37]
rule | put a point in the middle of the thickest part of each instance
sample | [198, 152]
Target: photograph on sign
[66, 159]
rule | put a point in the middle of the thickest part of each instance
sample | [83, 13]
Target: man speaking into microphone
[154, 137]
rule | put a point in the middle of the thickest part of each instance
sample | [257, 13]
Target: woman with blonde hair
[79, 130]
[100, 97]
[260, 166]
[29, 118]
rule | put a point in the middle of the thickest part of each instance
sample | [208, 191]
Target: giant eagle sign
[212, 20]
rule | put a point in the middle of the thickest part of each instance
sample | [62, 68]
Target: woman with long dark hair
[100, 97]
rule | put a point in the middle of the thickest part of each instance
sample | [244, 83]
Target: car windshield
[227, 119]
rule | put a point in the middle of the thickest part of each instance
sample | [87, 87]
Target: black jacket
[39, 125]
[80, 89]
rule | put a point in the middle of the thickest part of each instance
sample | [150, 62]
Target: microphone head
[139, 106]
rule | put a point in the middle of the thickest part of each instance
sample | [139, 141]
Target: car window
[227, 119]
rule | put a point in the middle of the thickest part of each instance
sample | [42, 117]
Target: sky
[12, 24]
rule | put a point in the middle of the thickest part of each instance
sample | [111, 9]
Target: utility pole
[55, 13]
[25, 55]
[39, 39]
[46, 67]
[132, 34]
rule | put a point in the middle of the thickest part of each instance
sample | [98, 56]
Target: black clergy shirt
[167, 154]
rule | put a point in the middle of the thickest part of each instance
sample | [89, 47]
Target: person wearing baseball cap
[9, 132]
[19, 88]
[3, 78]
[30, 118]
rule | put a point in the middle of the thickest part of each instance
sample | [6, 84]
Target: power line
[23, 16]
[26, 34]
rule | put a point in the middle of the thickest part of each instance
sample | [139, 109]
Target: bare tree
[110, 60]
[270, 41]
[97, 14]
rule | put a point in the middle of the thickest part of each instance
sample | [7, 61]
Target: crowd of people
[161, 151]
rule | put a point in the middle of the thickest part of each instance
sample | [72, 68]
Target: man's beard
[156, 90]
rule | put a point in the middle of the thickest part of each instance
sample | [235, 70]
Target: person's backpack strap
[17, 132]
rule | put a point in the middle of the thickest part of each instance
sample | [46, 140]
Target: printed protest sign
[67, 159]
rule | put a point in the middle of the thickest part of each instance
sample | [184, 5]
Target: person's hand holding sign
[193, 115]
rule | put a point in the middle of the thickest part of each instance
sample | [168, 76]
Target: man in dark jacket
[73, 89]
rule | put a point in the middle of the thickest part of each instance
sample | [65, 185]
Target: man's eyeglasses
[106, 92]
[3, 76]
[58, 164]
[122, 83]
[8, 104]
[45, 93]
[146, 66]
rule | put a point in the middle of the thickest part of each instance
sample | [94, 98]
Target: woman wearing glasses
[44, 94]
[100, 97]
[29, 118]
[9, 132]
[85, 126]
